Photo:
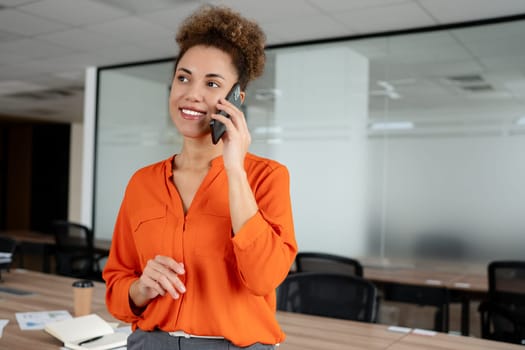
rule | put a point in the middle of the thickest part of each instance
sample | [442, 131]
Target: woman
[203, 239]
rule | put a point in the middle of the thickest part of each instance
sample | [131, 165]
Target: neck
[197, 155]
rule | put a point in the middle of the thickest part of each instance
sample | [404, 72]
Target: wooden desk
[313, 332]
[50, 292]
[46, 242]
[304, 332]
[443, 341]
[25, 239]
[28, 236]
[465, 283]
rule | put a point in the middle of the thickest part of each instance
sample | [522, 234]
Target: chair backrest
[7, 245]
[75, 254]
[323, 262]
[507, 282]
[328, 294]
[422, 296]
[72, 234]
[503, 314]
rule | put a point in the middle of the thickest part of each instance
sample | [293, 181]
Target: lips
[191, 114]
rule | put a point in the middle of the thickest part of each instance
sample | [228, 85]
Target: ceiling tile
[105, 34]
[81, 40]
[124, 54]
[132, 29]
[14, 86]
[16, 72]
[338, 5]
[7, 36]
[34, 48]
[8, 58]
[265, 11]
[161, 48]
[21, 23]
[74, 12]
[307, 28]
[450, 11]
[50, 66]
[393, 17]
[141, 6]
[171, 18]
[13, 3]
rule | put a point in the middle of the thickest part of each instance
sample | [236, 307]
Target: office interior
[417, 136]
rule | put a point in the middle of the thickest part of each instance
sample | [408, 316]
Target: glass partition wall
[404, 146]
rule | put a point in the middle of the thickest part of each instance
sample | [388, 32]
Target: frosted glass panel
[320, 111]
[408, 146]
[133, 130]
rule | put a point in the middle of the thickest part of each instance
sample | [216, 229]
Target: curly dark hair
[225, 29]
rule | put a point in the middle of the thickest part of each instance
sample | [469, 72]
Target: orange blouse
[230, 280]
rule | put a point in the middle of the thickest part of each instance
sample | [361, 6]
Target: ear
[243, 96]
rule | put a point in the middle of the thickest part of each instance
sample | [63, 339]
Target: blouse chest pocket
[149, 230]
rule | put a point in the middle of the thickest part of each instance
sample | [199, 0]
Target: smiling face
[203, 75]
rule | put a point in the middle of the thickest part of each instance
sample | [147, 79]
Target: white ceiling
[45, 45]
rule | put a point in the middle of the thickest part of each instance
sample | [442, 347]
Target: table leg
[465, 316]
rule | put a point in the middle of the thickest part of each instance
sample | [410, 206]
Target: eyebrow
[209, 75]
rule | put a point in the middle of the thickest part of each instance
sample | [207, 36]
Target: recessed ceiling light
[402, 125]
[268, 130]
[267, 94]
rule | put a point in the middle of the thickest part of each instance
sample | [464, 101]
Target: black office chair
[7, 245]
[422, 296]
[328, 294]
[75, 251]
[503, 314]
[323, 262]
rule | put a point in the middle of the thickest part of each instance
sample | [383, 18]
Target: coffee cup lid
[83, 284]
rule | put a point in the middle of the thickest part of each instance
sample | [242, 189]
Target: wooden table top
[455, 276]
[304, 332]
[50, 292]
[313, 332]
[443, 341]
[29, 236]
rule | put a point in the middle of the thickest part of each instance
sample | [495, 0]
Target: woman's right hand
[159, 276]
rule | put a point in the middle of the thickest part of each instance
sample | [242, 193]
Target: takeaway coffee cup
[82, 296]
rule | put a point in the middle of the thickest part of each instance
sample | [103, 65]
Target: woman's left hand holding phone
[160, 276]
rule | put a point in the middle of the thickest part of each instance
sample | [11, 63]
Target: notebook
[86, 332]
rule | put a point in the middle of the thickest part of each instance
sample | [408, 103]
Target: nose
[193, 93]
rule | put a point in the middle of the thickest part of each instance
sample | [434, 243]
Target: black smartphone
[218, 128]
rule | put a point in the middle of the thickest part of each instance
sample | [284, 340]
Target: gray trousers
[158, 340]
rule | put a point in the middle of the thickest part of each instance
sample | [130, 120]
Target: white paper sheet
[3, 323]
[37, 320]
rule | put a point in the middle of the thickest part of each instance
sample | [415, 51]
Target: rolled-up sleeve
[265, 247]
